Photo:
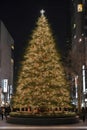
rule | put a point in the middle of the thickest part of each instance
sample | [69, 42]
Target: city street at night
[43, 65]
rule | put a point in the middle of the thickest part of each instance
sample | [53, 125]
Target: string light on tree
[41, 79]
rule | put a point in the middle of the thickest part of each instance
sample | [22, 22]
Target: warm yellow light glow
[12, 61]
[79, 7]
[41, 78]
[12, 46]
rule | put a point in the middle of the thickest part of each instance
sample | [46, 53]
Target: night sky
[20, 17]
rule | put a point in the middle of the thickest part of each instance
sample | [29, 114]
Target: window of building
[12, 51]
[79, 7]
[74, 26]
[12, 47]
[12, 61]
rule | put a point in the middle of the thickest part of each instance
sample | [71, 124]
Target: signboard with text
[5, 85]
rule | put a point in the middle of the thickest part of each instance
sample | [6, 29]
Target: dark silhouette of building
[79, 43]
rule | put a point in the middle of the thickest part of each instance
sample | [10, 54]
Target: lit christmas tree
[42, 80]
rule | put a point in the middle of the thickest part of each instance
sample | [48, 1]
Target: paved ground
[7, 126]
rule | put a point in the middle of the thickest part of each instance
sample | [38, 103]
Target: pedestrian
[2, 112]
[6, 112]
[83, 114]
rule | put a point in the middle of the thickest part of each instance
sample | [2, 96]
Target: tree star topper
[42, 12]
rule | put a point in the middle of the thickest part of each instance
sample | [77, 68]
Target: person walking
[2, 112]
[6, 112]
[83, 114]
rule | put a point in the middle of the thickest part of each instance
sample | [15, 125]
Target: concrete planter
[42, 120]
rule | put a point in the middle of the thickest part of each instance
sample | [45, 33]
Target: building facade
[79, 47]
[6, 64]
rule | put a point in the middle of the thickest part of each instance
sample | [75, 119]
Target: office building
[79, 47]
[6, 64]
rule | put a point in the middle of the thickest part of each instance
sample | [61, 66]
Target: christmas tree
[41, 79]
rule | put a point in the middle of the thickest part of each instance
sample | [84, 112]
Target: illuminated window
[74, 25]
[79, 8]
[12, 61]
[80, 39]
[12, 47]
[74, 36]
